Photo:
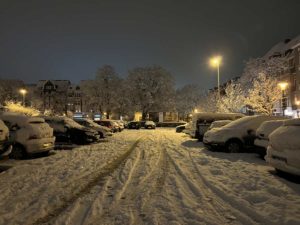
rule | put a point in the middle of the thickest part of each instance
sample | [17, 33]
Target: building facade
[59, 96]
[289, 50]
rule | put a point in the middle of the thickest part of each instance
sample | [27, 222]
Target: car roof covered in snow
[268, 127]
[252, 121]
[66, 119]
[292, 122]
[20, 119]
[212, 116]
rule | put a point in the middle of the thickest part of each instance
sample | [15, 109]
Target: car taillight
[33, 137]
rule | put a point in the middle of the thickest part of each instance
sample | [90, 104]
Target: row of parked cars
[273, 137]
[22, 135]
[139, 124]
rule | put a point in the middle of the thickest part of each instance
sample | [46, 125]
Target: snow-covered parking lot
[146, 177]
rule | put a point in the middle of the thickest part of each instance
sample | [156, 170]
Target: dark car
[68, 131]
[110, 124]
[103, 131]
[134, 125]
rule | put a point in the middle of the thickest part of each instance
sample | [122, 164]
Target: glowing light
[215, 61]
[283, 85]
[23, 91]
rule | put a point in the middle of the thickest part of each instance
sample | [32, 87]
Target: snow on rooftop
[282, 47]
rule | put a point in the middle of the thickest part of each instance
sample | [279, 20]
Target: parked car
[150, 125]
[180, 128]
[29, 135]
[134, 125]
[142, 124]
[120, 125]
[284, 147]
[236, 135]
[5, 145]
[103, 131]
[68, 131]
[262, 135]
[219, 123]
[202, 121]
[108, 123]
[188, 129]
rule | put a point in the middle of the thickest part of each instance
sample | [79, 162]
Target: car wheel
[18, 152]
[233, 146]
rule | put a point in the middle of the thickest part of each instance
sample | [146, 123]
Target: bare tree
[101, 93]
[151, 89]
[264, 94]
[233, 98]
[209, 102]
[187, 99]
[270, 67]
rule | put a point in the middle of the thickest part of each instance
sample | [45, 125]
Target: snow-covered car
[201, 122]
[103, 131]
[189, 129]
[262, 135]
[150, 125]
[28, 135]
[219, 123]
[134, 125]
[283, 152]
[180, 128]
[67, 130]
[5, 146]
[120, 125]
[236, 135]
[108, 123]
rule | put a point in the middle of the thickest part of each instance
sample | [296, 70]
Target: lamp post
[283, 86]
[23, 93]
[215, 62]
[298, 104]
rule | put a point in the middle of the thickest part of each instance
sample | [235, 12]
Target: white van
[28, 135]
[5, 147]
[202, 121]
[237, 134]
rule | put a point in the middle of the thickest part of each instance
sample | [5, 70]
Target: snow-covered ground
[146, 177]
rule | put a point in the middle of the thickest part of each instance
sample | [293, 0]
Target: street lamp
[298, 104]
[23, 93]
[283, 86]
[215, 62]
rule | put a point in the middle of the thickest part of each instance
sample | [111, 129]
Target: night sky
[71, 39]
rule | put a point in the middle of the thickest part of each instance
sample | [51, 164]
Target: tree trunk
[144, 115]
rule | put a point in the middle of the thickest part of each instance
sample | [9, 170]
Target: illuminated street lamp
[215, 62]
[23, 93]
[283, 86]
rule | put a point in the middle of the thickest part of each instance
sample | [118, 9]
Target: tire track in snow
[133, 201]
[95, 180]
[191, 190]
[244, 213]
